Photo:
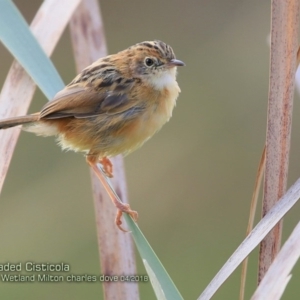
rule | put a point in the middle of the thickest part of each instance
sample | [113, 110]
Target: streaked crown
[160, 48]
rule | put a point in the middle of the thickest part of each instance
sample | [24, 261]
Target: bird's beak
[175, 63]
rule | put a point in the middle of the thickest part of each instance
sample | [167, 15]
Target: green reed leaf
[162, 283]
[17, 37]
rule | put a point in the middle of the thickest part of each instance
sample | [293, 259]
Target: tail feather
[15, 121]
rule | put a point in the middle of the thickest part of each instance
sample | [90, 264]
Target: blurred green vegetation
[191, 183]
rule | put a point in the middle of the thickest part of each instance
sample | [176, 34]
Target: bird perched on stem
[112, 107]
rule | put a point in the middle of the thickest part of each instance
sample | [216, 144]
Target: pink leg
[122, 207]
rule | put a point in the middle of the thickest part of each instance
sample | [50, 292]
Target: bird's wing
[100, 88]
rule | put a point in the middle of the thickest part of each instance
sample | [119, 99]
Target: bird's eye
[149, 62]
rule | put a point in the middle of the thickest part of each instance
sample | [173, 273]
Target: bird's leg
[122, 207]
[107, 166]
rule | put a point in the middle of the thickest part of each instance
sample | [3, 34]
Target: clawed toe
[107, 166]
[126, 209]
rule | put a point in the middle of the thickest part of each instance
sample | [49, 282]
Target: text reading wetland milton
[8, 274]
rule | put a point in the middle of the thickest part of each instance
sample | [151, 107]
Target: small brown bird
[112, 107]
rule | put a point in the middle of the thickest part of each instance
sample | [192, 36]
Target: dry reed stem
[115, 247]
[275, 214]
[284, 45]
[18, 88]
[253, 206]
[278, 275]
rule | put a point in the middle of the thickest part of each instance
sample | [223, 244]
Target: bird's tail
[15, 121]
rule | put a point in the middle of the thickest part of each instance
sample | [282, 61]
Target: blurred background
[191, 183]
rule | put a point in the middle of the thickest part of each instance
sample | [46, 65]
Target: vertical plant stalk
[115, 247]
[253, 205]
[284, 25]
[18, 88]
